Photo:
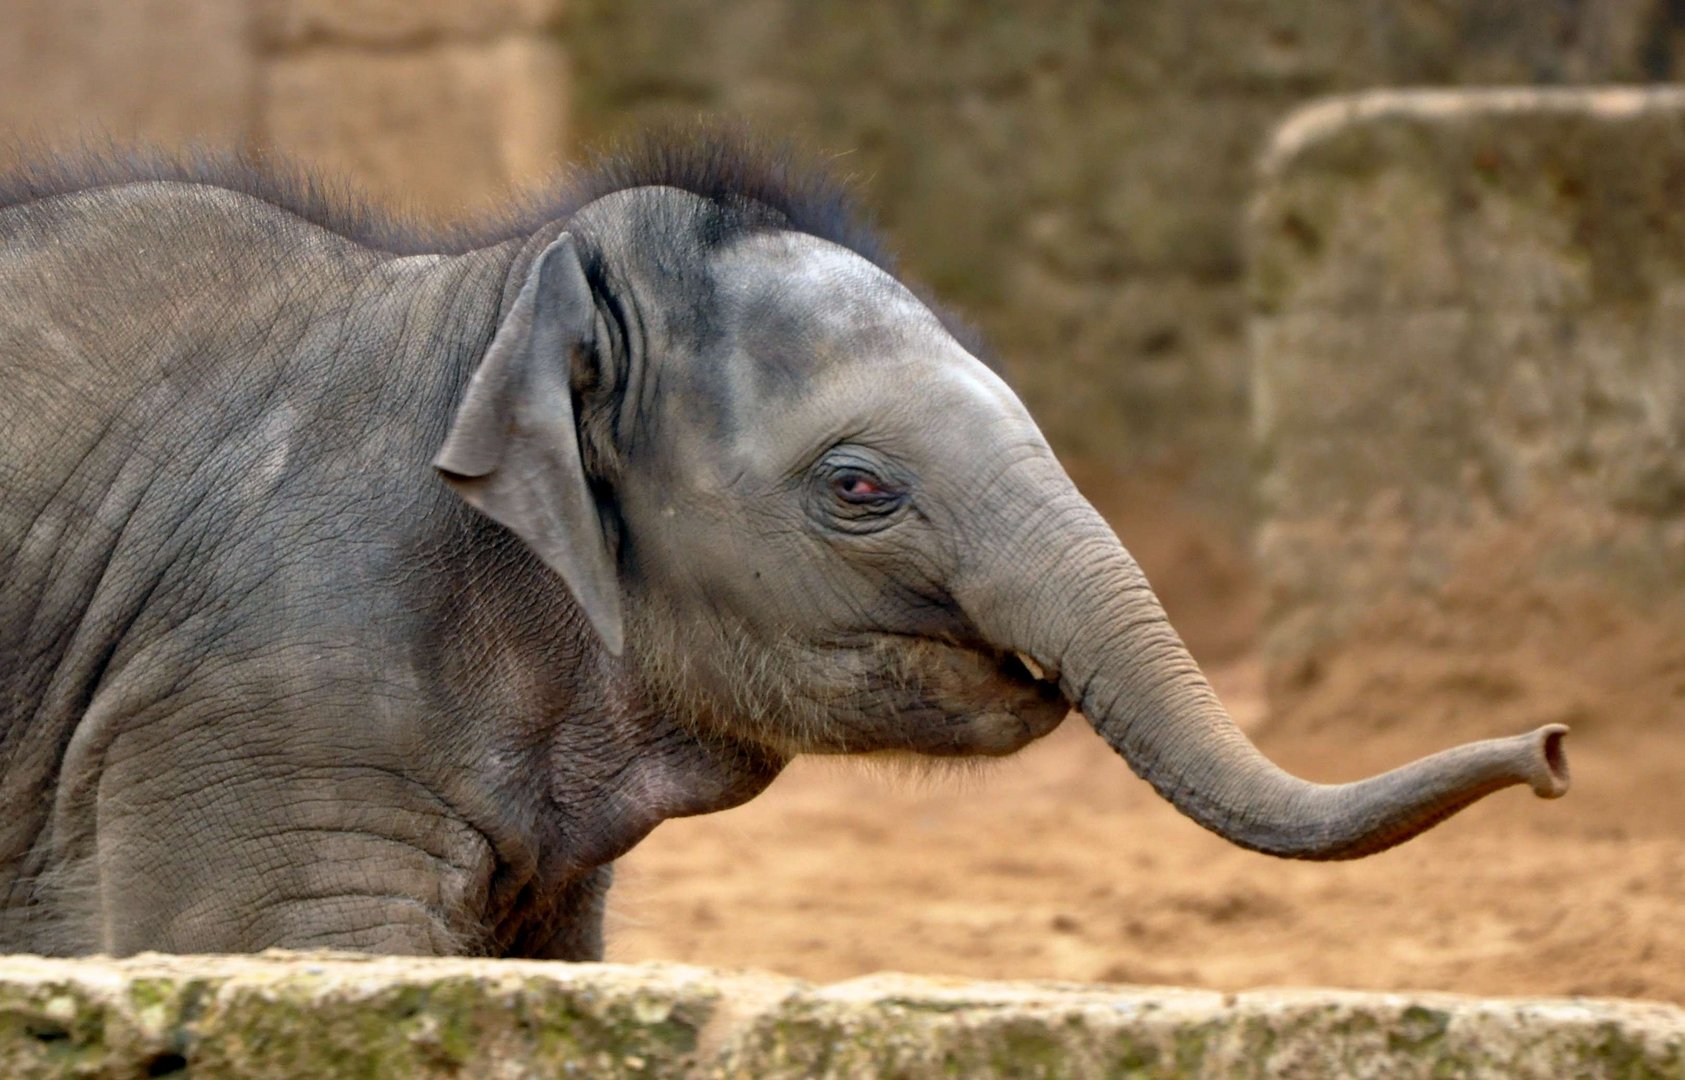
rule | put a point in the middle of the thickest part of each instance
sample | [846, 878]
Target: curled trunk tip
[1083, 613]
[1548, 772]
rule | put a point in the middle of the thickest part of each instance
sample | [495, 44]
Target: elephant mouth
[1024, 679]
[1022, 667]
[1042, 688]
[891, 693]
[985, 702]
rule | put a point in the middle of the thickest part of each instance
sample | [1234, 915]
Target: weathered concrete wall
[1469, 361]
[432, 104]
[279, 1017]
[1074, 173]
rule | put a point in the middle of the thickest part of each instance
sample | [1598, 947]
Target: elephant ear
[513, 448]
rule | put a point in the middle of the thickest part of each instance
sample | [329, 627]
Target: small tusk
[1031, 666]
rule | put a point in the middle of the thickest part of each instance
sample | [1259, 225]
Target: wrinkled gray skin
[269, 679]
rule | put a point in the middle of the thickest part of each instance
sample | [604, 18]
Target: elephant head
[806, 517]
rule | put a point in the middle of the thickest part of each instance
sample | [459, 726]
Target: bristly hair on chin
[725, 163]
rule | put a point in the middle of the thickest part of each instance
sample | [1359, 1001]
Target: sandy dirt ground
[1059, 864]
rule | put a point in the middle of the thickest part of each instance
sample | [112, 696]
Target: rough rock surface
[1468, 345]
[432, 105]
[295, 23]
[439, 125]
[175, 70]
[281, 1016]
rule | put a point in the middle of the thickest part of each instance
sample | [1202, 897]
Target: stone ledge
[281, 1016]
[1327, 119]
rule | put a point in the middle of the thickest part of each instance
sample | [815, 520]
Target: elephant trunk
[1071, 598]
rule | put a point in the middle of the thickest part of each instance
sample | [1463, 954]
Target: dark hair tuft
[726, 165]
[753, 180]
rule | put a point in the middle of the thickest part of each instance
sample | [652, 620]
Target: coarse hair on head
[753, 179]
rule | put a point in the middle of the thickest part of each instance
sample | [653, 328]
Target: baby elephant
[369, 588]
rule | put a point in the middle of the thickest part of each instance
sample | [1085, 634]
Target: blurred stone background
[1071, 174]
[435, 104]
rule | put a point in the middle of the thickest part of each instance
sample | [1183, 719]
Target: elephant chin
[991, 705]
[996, 734]
[935, 699]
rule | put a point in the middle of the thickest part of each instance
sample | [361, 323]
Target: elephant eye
[860, 487]
[856, 489]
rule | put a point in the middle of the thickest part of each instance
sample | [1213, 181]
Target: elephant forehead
[805, 303]
[826, 346]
